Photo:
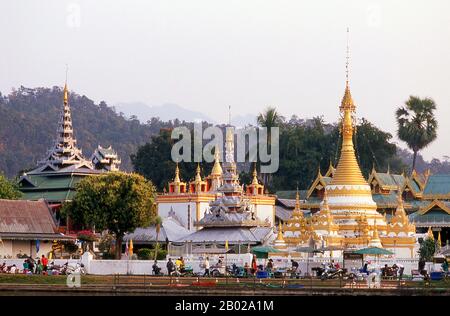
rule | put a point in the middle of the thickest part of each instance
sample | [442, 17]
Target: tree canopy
[8, 190]
[304, 147]
[29, 119]
[417, 125]
[117, 202]
[427, 249]
[153, 160]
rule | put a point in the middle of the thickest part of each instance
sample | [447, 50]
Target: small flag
[131, 247]
[430, 233]
[38, 244]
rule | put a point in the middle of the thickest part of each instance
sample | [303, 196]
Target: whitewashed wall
[181, 211]
[140, 267]
[265, 211]
[13, 247]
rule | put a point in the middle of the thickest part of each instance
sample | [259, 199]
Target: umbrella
[308, 250]
[373, 251]
[263, 251]
[331, 248]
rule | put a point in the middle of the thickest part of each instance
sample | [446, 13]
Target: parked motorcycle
[68, 269]
[329, 273]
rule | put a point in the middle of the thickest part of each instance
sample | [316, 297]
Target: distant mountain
[165, 112]
[243, 120]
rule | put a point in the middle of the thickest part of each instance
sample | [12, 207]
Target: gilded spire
[198, 177]
[347, 170]
[217, 169]
[65, 151]
[177, 174]
[375, 232]
[297, 203]
[255, 176]
[280, 233]
[66, 94]
[279, 243]
[66, 98]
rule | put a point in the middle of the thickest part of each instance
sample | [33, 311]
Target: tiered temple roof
[56, 175]
[230, 213]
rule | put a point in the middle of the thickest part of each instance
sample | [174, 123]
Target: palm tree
[417, 125]
[269, 118]
[158, 222]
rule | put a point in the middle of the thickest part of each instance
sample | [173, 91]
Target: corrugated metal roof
[282, 213]
[231, 234]
[291, 194]
[391, 179]
[171, 229]
[30, 217]
[289, 203]
[437, 184]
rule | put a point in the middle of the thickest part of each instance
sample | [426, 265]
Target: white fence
[140, 267]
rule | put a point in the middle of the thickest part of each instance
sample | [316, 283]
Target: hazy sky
[209, 54]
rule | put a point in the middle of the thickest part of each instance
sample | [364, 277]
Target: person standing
[44, 262]
[269, 266]
[206, 264]
[254, 266]
[170, 266]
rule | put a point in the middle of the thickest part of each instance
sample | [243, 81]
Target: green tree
[417, 126]
[158, 223]
[427, 249]
[153, 160]
[374, 147]
[117, 202]
[8, 190]
[269, 118]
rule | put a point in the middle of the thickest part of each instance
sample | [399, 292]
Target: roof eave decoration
[433, 204]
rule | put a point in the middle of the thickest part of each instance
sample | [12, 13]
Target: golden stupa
[349, 194]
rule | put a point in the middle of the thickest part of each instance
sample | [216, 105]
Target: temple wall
[181, 212]
[140, 267]
[264, 211]
[10, 248]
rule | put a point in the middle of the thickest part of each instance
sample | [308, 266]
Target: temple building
[234, 217]
[343, 210]
[425, 198]
[189, 203]
[56, 175]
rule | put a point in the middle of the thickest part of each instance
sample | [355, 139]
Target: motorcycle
[78, 268]
[219, 271]
[329, 273]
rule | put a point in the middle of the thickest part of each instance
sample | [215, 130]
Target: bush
[149, 254]
[108, 256]
[86, 235]
[145, 254]
[69, 246]
[427, 249]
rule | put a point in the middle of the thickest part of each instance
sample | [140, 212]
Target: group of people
[29, 266]
[177, 267]
[395, 271]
